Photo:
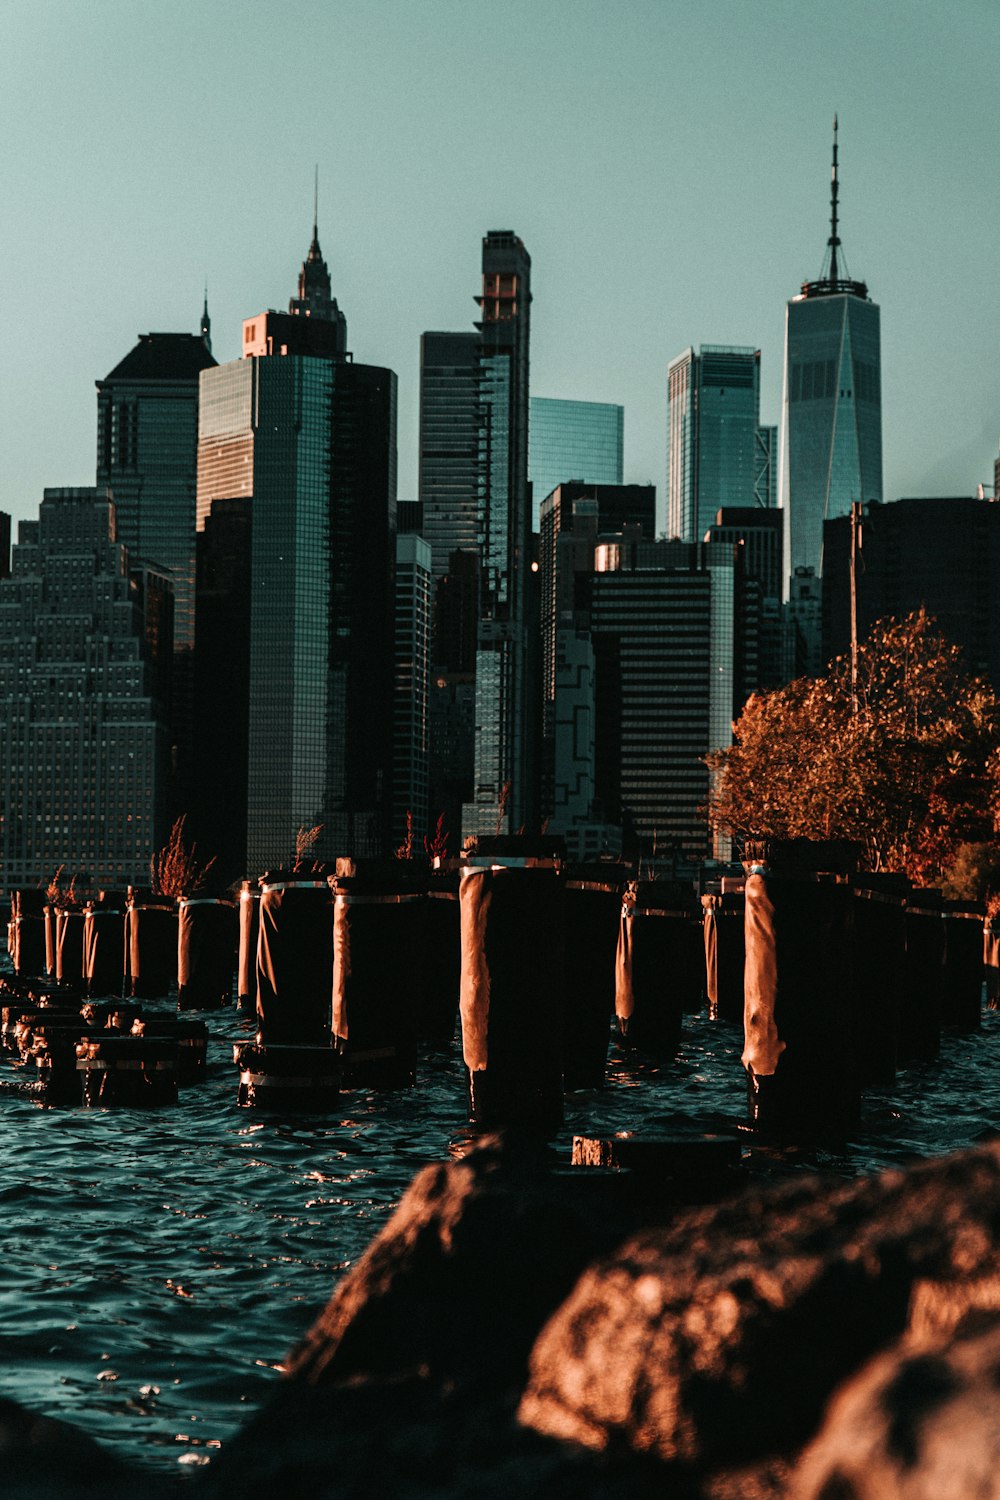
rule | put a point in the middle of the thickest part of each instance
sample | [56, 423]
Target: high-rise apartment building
[307, 437]
[572, 440]
[83, 733]
[831, 452]
[717, 452]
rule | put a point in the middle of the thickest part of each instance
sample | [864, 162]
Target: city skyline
[679, 235]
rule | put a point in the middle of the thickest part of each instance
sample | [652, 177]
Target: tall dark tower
[147, 448]
[315, 297]
[306, 439]
[831, 451]
[206, 325]
[505, 772]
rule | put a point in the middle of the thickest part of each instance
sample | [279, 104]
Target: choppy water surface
[159, 1265]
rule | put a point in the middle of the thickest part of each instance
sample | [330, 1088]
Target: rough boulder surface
[717, 1341]
[920, 1422]
[42, 1458]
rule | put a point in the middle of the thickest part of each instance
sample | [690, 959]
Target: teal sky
[666, 164]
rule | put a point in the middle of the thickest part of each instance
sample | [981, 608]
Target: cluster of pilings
[73, 1013]
[837, 977]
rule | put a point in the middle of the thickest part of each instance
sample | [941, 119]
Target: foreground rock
[45, 1459]
[920, 1422]
[716, 1342]
[408, 1382]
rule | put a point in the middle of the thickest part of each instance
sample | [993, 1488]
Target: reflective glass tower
[831, 451]
[503, 777]
[307, 438]
[572, 440]
[717, 452]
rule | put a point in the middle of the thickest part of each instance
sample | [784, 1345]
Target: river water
[160, 1264]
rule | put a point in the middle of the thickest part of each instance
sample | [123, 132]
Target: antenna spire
[316, 204]
[834, 240]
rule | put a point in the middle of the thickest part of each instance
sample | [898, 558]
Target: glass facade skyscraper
[309, 441]
[831, 451]
[504, 773]
[717, 452]
[572, 440]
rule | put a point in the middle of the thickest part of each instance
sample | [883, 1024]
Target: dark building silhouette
[648, 676]
[307, 438]
[4, 544]
[222, 686]
[410, 706]
[85, 650]
[938, 554]
[759, 535]
[476, 503]
[506, 749]
[574, 517]
[147, 451]
[832, 412]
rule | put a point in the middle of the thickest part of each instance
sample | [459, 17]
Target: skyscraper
[717, 452]
[412, 647]
[147, 451]
[572, 440]
[646, 680]
[83, 731]
[831, 451]
[503, 776]
[307, 437]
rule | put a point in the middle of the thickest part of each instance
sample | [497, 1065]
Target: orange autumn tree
[912, 771]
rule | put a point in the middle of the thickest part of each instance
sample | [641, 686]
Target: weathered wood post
[800, 1030]
[512, 897]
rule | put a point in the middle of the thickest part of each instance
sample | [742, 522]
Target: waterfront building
[831, 451]
[572, 440]
[307, 438]
[940, 554]
[85, 656]
[717, 452]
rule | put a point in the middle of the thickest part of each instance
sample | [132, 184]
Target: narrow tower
[831, 449]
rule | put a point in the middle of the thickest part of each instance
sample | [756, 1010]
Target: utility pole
[855, 548]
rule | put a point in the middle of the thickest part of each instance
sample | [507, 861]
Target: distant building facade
[572, 440]
[647, 675]
[147, 452]
[831, 451]
[940, 554]
[83, 733]
[411, 728]
[475, 498]
[717, 452]
[307, 438]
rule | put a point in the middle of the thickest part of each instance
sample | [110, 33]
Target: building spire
[835, 278]
[315, 297]
[206, 322]
[834, 241]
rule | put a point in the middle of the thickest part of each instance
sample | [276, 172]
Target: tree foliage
[912, 771]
